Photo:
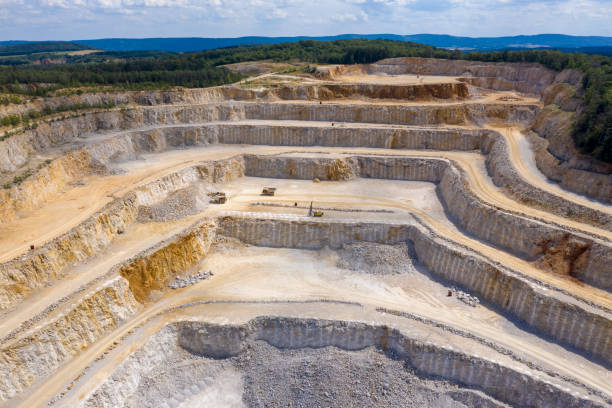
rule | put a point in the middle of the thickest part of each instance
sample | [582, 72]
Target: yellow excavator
[314, 213]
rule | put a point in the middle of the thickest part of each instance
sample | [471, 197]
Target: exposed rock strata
[102, 307]
[566, 321]
[154, 269]
[558, 157]
[49, 262]
[15, 150]
[557, 250]
[43, 349]
[323, 91]
[503, 381]
[52, 260]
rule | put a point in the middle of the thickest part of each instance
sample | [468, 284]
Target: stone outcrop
[573, 323]
[556, 249]
[557, 156]
[154, 269]
[51, 261]
[46, 347]
[502, 380]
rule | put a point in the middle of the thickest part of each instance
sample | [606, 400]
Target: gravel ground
[265, 376]
[331, 377]
[180, 204]
[184, 281]
[376, 258]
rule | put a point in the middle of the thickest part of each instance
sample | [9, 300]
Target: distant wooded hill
[16, 48]
[566, 42]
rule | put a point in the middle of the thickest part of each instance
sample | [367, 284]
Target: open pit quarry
[463, 257]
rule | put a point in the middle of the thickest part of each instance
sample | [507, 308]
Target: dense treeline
[593, 132]
[41, 81]
[67, 58]
[50, 46]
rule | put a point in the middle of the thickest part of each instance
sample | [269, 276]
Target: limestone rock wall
[31, 353]
[155, 268]
[15, 150]
[51, 261]
[558, 158]
[554, 249]
[568, 322]
[225, 93]
[43, 349]
[504, 381]
[20, 276]
[333, 91]
[301, 168]
[505, 175]
[523, 77]
[305, 234]
[114, 391]
[427, 358]
[45, 183]
[451, 114]
[492, 144]
[337, 136]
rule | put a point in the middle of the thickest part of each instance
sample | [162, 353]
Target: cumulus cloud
[73, 19]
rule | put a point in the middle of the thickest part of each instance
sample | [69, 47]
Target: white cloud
[70, 19]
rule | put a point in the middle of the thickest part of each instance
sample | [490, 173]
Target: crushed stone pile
[180, 204]
[265, 376]
[183, 282]
[376, 259]
[466, 298]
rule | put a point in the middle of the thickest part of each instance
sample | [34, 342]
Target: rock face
[44, 349]
[556, 249]
[316, 92]
[49, 262]
[47, 183]
[537, 307]
[158, 266]
[557, 157]
[526, 78]
[15, 150]
[427, 358]
[20, 276]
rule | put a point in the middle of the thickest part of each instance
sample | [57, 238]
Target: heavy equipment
[314, 213]
[218, 197]
[269, 191]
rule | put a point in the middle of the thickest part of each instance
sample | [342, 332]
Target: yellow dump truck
[269, 191]
[218, 197]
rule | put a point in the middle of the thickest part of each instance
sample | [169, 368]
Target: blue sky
[87, 19]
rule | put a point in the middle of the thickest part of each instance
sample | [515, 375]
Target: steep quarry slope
[449, 268]
[555, 153]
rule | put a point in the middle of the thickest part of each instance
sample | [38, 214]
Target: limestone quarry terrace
[461, 254]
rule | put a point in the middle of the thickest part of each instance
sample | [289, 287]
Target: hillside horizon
[188, 44]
